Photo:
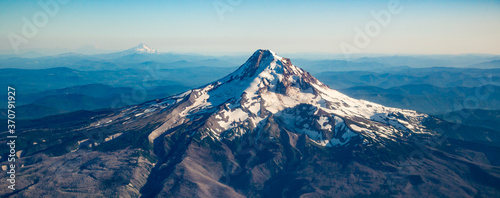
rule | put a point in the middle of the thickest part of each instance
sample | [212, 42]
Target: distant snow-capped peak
[142, 49]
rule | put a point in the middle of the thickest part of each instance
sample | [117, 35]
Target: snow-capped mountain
[269, 129]
[270, 88]
[140, 53]
[141, 49]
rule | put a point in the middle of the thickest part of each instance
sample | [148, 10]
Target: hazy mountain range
[133, 57]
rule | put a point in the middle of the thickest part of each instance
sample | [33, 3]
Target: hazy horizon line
[54, 52]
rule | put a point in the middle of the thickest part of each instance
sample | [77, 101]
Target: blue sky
[422, 27]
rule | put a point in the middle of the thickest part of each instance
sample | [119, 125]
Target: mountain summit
[140, 53]
[141, 49]
[270, 89]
